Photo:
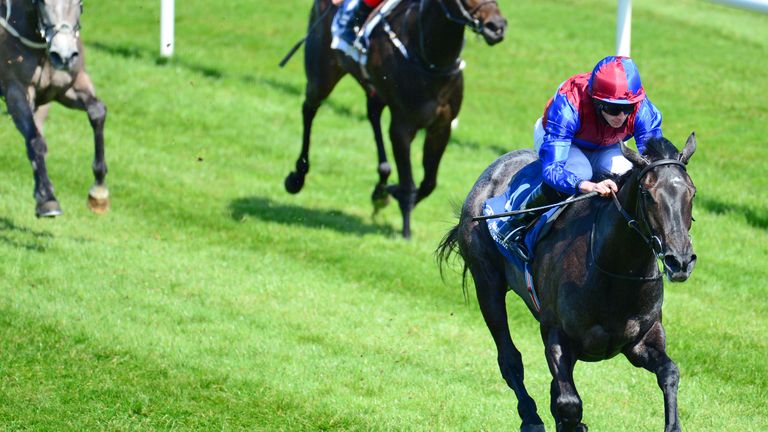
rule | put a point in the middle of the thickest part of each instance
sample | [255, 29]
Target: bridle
[650, 238]
[48, 31]
[464, 18]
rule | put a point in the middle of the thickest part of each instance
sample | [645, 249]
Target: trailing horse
[423, 90]
[597, 277]
[42, 61]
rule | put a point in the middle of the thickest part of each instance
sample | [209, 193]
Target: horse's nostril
[673, 263]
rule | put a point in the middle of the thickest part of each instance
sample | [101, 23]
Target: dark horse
[597, 277]
[423, 91]
[42, 61]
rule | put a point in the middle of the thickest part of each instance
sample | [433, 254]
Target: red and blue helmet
[615, 80]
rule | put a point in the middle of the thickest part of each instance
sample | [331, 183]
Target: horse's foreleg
[565, 403]
[21, 110]
[380, 197]
[295, 180]
[434, 147]
[401, 134]
[491, 294]
[82, 96]
[650, 353]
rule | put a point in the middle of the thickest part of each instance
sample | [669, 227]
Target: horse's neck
[438, 39]
[618, 248]
[23, 17]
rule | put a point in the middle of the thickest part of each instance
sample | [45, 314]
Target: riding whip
[530, 210]
[301, 41]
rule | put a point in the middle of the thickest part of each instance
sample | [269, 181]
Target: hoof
[532, 428]
[48, 209]
[581, 427]
[294, 182]
[380, 197]
[98, 199]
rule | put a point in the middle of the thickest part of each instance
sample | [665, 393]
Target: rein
[651, 239]
[4, 22]
[570, 200]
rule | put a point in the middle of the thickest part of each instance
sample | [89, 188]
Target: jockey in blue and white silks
[577, 138]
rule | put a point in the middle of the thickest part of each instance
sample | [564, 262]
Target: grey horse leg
[82, 96]
[565, 403]
[20, 108]
[650, 354]
[491, 294]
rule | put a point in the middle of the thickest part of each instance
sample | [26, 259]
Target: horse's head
[664, 202]
[59, 25]
[482, 16]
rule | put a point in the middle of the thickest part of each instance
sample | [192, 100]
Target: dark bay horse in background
[41, 61]
[596, 275]
[423, 91]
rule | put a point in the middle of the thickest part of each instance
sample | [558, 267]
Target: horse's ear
[636, 158]
[690, 147]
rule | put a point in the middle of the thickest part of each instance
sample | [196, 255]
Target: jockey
[578, 137]
[352, 14]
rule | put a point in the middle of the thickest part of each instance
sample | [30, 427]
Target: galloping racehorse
[596, 275]
[423, 90]
[42, 61]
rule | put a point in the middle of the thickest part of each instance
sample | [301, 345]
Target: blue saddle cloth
[520, 186]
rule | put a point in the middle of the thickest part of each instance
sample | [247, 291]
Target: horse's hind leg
[491, 293]
[380, 197]
[82, 96]
[650, 353]
[565, 403]
[20, 109]
[434, 147]
[323, 73]
[401, 134]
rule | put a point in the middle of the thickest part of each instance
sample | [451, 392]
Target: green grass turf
[210, 299]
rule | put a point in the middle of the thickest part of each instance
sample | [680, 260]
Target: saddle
[520, 185]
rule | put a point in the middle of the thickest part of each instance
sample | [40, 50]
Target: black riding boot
[356, 18]
[513, 231]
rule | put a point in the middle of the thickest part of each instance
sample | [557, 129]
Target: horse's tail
[447, 247]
